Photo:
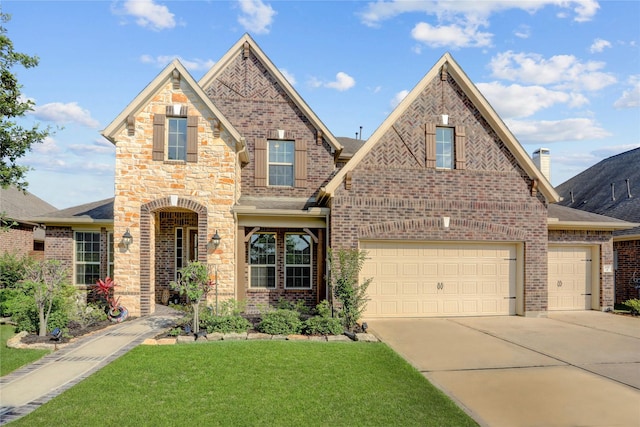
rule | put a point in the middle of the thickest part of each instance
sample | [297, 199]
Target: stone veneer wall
[143, 188]
[604, 241]
[393, 195]
[628, 254]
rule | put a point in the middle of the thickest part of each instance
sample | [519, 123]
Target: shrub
[280, 322]
[634, 305]
[345, 267]
[300, 305]
[87, 314]
[12, 269]
[225, 324]
[232, 307]
[323, 323]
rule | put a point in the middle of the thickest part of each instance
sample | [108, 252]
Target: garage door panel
[569, 277]
[435, 279]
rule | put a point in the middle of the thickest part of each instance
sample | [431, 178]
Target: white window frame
[275, 163]
[178, 250]
[77, 262]
[440, 157]
[297, 265]
[174, 137]
[266, 266]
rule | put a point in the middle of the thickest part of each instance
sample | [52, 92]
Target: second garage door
[569, 277]
[433, 279]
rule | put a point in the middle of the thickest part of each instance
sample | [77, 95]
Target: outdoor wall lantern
[127, 238]
[214, 242]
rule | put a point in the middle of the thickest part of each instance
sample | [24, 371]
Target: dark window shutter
[300, 164]
[192, 138]
[260, 159]
[430, 144]
[158, 136]
[461, 161]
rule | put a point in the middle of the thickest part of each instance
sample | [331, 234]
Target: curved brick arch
[147, 285]
[432, 228]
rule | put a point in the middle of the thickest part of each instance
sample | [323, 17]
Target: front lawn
[13, 358]
[271, 383]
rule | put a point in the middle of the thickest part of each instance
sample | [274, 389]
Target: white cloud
[630, 98]
[549, 131]
[397, 99]
[99, 146]
[562, 71]
[65, 113]
[523, 32]
[195, 64]
[290, 77]
[523, 101]
[257, 16]
[598, 45]
[453, 35]
[47, 147]
[149, 14]
[451, 11]
[342, 82]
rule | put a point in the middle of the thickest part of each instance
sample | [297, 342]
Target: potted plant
[116, 312]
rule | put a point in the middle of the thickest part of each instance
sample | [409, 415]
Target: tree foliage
[48, 279]
[15, 140]
[194, 282]
[345, 268]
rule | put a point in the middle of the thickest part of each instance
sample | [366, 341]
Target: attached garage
[430, 279]
[570, 271]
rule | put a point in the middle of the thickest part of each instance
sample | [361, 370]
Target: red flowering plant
[106, 289]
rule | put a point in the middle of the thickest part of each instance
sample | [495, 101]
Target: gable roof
[148, 92]
[478, 100]
[19, 205]
[564, 218]
[610, 187]
[235, 50]
[100, 212]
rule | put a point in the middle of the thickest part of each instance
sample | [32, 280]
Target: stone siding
[144, 188]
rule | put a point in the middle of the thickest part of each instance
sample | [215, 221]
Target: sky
[563, 75]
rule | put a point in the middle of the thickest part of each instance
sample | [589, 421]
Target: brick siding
[628, 254]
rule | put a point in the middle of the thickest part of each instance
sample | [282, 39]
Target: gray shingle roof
[101, 211]
[592, 189]
[20, 206]
[350, 145]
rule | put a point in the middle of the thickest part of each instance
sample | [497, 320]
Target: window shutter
[461, 161]
[300, 164]
[430, 142]
[192, 138]
[260, 159]
[158, 136]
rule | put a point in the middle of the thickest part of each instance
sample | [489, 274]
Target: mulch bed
[75, 330]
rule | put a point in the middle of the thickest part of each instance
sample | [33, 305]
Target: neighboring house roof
[478, 100]
[148, 92]
[19, 205]
[100, 212]
[231, 54]
[564, 218]
[611, 187]
[350, 146]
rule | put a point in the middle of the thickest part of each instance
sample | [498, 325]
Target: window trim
[77, 263]
[452, 143]
[292, 164]
[274, 265]
[168, 139]
[110, 254]
[310, 265]
[178, 259]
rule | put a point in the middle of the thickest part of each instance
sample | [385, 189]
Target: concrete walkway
[570, 369]
[27, 388]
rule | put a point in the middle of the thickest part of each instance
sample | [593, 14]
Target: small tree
[48, 280]
[194, 283]
[345, 267]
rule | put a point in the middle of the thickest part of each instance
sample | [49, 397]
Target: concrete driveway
[570, 369]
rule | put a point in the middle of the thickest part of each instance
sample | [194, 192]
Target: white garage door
[569, 277]
[433, 279]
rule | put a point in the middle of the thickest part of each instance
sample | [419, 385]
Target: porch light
[214, 242]
[127, 238]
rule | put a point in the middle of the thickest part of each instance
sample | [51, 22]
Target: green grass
[13, 358]
[269, 383]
